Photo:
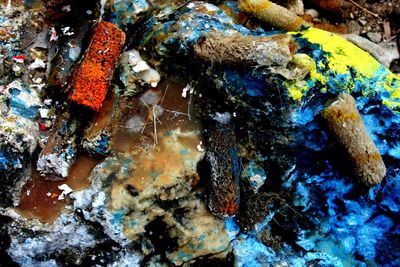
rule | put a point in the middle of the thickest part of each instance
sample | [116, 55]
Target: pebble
[375, 37]
[354, 27]
[312, 12]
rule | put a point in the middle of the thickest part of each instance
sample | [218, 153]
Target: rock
[312, 12]
[374, 37]
[362, 21]
[384, 53]
[354, 27]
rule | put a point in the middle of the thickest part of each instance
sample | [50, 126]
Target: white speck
[65, 31]
[257, 181]
[223, 118]
[65, 190]
[47, 102]
[102, 6]
[9, 6]
[210, 7]
[73, 53]
[141, 66]
[191, 5]
[53, 36]
[38, 63]
[48, 194]
[188, 89]
[99, 200]
[200, 147]
[143, 71]
[28, 192]
[66, 8]
[134, 124]
[37, 80]
[16, 68]
[55, 164]
[44, 113]
[89, 12]
[234, 114]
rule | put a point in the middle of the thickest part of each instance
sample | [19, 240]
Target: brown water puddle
[39, 197]
[177, 139]
[35, 201]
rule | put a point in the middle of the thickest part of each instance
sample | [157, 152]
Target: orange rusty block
[92, 77]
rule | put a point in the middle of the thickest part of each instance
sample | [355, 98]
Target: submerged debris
[60, 150]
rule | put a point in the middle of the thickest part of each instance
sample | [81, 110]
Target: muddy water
[162, 157]
[39, 197]
[177, 136]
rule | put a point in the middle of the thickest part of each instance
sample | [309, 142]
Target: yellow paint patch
[343, 53]
[298, 89]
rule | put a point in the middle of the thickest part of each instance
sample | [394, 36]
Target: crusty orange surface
[92, 77]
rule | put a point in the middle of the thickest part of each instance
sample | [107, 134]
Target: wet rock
[353, 27]
[19, 135]
[60, 150]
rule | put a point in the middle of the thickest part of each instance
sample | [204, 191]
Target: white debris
[210, 7]
[38, 63]
[44, 113]
[53, 36]
[188, 89]
[74, 52]
[134, 124]
[48, 194]
[150, 98]
[65, 190]
[37, 80]
[141, 66]
[52, 163]
[141, 70]
[150, 76]
[66, 31]
[47, 102]
[16, 68]
[66, 8]
[200, 147]
[9, 6]
[222, 118]
[102, 6]
[99, 200]
[256, 181]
